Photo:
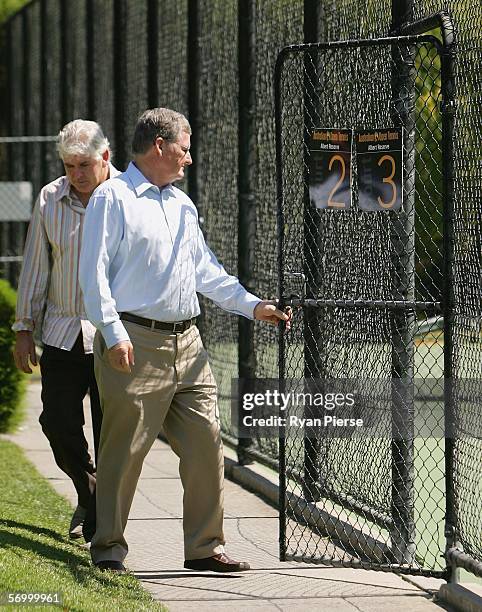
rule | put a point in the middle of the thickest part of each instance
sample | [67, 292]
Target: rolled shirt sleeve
[35, 273]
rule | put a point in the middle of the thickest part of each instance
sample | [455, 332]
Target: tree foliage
[12, 381]
[9, 7]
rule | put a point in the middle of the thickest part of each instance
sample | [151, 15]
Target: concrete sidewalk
[154, 533]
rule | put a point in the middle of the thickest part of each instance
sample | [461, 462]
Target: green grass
[36, 555]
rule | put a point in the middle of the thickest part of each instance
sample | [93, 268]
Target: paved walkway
[154, 533]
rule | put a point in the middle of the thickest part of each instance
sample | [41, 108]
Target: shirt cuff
[23, 325]
[247, 306]
[113, 333]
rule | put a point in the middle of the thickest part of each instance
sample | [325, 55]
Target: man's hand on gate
[121, 356]
[268, 311]
[23, 350]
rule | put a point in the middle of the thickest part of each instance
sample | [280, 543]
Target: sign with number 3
[379, 162]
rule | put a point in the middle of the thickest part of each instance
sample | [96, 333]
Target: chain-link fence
[361, 255]
[108, 60]
[20, 183]
[377, 291]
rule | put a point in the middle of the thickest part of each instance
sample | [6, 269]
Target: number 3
[388, 180]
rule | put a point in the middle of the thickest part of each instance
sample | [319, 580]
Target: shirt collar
[74, 199]
[64, 189]
[140, 183]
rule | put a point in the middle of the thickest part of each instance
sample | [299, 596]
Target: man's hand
[23, 350]
[269, 312]
[121, 356]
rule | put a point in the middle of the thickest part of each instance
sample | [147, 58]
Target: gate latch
[295, 286]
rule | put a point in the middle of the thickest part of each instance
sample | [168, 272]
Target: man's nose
[188, 158]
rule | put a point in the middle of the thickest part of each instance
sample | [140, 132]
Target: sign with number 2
[330, 168]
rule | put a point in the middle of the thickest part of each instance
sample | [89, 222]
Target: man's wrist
[24, 325]
[114, 333]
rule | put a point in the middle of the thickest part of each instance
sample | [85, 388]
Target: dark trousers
[66, 378]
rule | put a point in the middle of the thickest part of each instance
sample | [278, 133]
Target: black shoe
[111, 566]
[88, 528]
[217, 563]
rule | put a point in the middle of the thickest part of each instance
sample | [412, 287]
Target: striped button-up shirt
[49, 284]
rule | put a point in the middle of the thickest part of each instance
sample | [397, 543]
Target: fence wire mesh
[74, 56]
[19, 187]
[467, 362]
[218, 159]
[393, 486]
[135, 88]
[94, 58]
[172, 24]
[277, 25]
[101, 67]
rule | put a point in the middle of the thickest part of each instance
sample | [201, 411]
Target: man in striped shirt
[49, 288]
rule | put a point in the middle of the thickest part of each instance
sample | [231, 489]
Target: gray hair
[155, 123]
[81, 137]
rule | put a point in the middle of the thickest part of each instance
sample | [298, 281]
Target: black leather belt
[178, 327]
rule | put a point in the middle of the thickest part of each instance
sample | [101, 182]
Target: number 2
[389, 180]
[331, 202]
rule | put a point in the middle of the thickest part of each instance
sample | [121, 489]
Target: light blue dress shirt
[143, 252]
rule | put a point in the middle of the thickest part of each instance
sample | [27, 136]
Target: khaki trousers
[171, 386]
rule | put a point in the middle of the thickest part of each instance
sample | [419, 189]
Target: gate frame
[447, 110]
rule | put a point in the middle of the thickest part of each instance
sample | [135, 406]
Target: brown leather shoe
[217, 563]
[111, 566]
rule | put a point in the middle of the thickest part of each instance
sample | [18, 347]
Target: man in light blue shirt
[143, 260]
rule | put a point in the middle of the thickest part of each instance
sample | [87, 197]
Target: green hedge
[12, 380]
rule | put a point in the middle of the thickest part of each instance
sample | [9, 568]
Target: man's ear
[106, 155]
[159, 143]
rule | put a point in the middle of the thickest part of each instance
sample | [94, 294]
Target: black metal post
[194, 112]
[65, 65]
[247, 159]
[29, 159]
[443, 21]
[120, 80]
[280, 226]
[26, 89]
[153, 53]
[193, 94]
[18, 239]
[403, 322]
[44, 34]
[6, 161]
[90, 57]
[18, 116]
[448, 300]
[313, 368]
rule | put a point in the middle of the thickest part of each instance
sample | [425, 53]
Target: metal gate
[364, 162]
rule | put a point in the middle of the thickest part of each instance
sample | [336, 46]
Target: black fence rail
[214, 60]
